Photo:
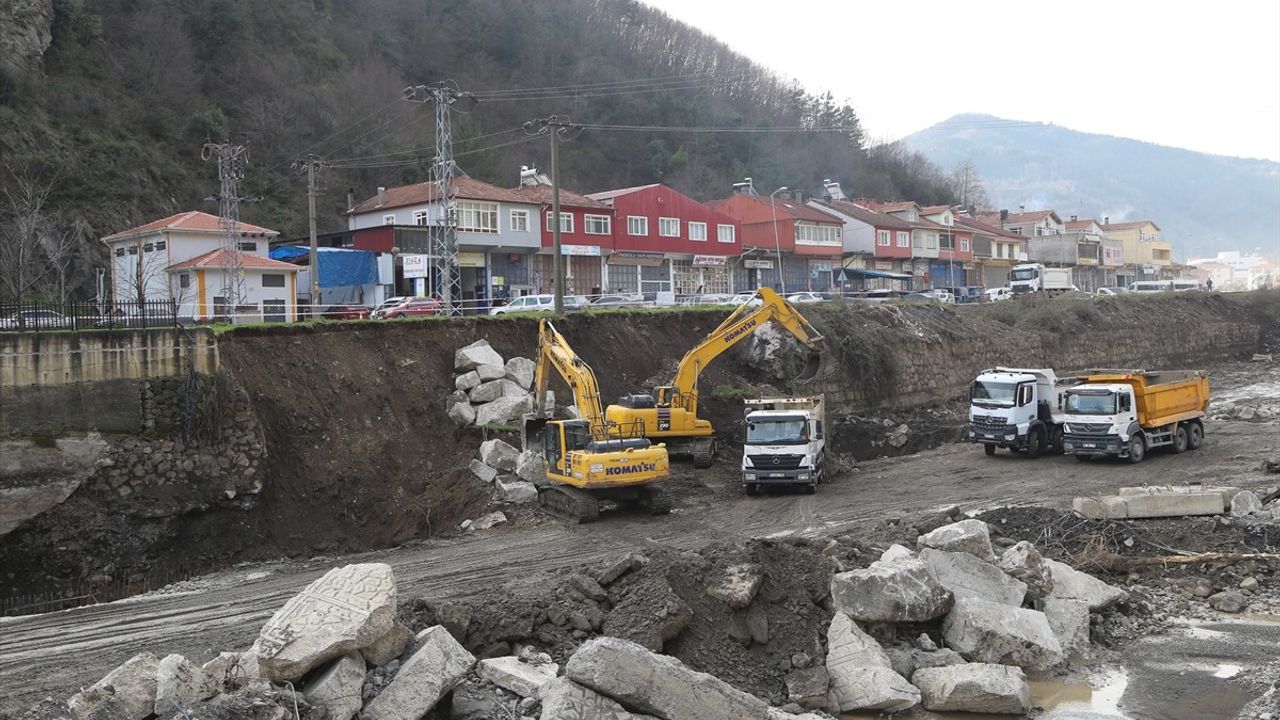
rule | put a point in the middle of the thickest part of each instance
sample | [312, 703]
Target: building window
[420, 217]
[931, 241]
[389, 219]
[148, 248]
[479, 217]
[596, 224]
[119, 252]
[669, 227]
[272, 280]
[160, 245]
[133, 249]
[637, 225]
[964, 244]
[811, 234]
[566, 222]
[724, 233]
[882, 238]
[275, 310]
[904, 239]
[249, 247]
[1016, 230]
[519, 221]
[184, 280]
[697, 231]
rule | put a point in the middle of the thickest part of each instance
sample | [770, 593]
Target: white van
[1150, 286]
[998, 293]
[1185, 284]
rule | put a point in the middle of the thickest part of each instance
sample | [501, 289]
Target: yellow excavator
[670, 414]
[589, 459]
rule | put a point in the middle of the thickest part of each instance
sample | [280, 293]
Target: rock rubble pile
[489, 390]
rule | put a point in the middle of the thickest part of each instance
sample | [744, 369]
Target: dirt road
[53, 654]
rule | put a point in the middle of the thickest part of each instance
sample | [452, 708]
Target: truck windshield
[778, 431]
[1024, 274]
[993, 393]
[1091, 404]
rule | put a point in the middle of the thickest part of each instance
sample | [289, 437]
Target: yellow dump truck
[1126, 413]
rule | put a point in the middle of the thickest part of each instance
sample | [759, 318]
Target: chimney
[382, 196]
[1022, 208]
[1004, 215]
[784, 195]
[1073, 218]
[833, 190]
[1106, 220]
[351, 199]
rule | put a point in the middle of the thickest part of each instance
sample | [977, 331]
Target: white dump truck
[1019, 409]
[1127, 413]
[785, 443]
[1034, 277]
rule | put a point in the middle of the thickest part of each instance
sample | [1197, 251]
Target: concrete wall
[66, 358]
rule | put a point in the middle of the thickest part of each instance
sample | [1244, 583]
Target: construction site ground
[1220, 662]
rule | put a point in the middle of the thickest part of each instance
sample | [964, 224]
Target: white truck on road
[1034, 277]
[785, 443]
[1019, 409]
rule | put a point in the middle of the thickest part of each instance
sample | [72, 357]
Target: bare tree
[968, 188]
[36, 247]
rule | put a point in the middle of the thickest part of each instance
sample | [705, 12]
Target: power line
[425, 148]
[581, 86]
[710, 129]
[416, 160]
[617, 93]
[344, 128]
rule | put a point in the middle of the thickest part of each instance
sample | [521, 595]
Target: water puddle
[1097, 699]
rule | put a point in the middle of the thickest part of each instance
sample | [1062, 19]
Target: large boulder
[969, 577]
[989, 632]
[974, 687]
[494, 389]
[563, 699]
[1071, 584]
[898, 591]
[970, 536]
[467, 380]
[658, 684]
[522, 678]
[737, 585]
[482, 471]
[459, 409]
[501, 411]
[514, 491]
[132, 685]
[1024, 562]
[338, 687]
[1069, 620]
[438, 665]
[490, 372]
[348, 609]
[499, 455]
[532, 467]
[389, 646]
[862, 678]
[521, 371]
[180, 681]
[896, 552]
[807, 687]
[474, 355]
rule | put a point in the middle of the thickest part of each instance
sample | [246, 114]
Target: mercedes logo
[777, 460]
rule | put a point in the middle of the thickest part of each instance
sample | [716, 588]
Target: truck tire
[1033, 444]
[989, 449]
[1137, 449]
[1180, 439]
[752, 489]
[1195, 435]
[811, 489]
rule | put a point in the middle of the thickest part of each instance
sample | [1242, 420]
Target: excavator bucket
[820, 365]
[531, 432]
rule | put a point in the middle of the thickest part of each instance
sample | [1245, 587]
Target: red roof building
[809, 242]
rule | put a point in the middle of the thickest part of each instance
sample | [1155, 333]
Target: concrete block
[1109, 507]
[1175, 505]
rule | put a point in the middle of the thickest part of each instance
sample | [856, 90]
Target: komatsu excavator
[670, 414]
[588, 459]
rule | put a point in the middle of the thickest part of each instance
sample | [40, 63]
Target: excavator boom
[554, 351]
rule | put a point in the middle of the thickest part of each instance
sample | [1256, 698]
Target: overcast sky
[1202, 75]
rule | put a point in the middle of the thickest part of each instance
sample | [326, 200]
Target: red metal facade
[378, 239]
[654, 202]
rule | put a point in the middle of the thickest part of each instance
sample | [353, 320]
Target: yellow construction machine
[589, 459]
[670, 414]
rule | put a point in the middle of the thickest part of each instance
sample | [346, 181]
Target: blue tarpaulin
[339, 267]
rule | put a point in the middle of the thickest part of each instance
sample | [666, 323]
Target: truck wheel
[1033, 444]
[752, 489]
[1137, 449]
[989, 449]
[1195, 436]
[1180, 439]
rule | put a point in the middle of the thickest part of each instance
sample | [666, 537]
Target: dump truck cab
[1101, 420]
[1016, 408]
[785, 443]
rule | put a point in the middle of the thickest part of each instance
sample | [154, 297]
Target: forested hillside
[103, 128]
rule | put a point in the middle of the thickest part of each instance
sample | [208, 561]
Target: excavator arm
[740, 324]
[554, 352]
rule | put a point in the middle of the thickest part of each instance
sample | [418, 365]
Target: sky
[1195, 75]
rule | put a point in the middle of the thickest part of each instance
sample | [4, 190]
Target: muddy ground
[874, 502]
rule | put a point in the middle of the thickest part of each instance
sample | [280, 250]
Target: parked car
[527, 303]
[997, 294]
[805, 297]
[148, 317]
[918, 297]
[410, 307]
[1110, 291]
[614, 301]
[940, 294]
[349, 312]
[1150, 286]
[747, 297]
[391, 302]
[42, 319]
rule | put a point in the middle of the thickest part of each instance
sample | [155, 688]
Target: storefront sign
[416, 266]
[498, 281]
[819, 266]
[471, 259]
[884, 265]
[590, 250]
[635, 257]
[708, 260]
[758, 264]
[1149, 269]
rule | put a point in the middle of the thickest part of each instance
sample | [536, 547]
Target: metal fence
[39, 317]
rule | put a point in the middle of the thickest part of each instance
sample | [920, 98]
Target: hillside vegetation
[104, 128]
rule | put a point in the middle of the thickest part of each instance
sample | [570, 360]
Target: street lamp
[777, 245]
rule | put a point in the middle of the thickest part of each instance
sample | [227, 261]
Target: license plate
[989, 437]
[1089, 445]
[777, 475]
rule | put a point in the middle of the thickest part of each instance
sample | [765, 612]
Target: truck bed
[1163, 396]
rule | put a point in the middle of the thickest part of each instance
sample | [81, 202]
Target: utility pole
[555, 126]
[312, 164]
[444, 95]
[231, 161]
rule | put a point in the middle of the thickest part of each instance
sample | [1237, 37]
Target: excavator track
[656, 501]
[569, 503]
[703, 451]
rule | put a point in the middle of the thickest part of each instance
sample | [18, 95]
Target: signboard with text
[416, 266]
[758, 264]
[708, 260]
[588, 250]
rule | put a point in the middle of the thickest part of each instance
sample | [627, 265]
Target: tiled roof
[1018, 218]
[799, 211]
[542, 194]
[190, 221]
[869, 217]
[934, 209]
[987, 228]
[1130, 225]
[1079, 224]
[467, 188]
[884, 207]
[221, 258]
[610, 194]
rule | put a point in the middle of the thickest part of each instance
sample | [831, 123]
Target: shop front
[632, 271]
[755, 273]
[701, 274]
[583, 271]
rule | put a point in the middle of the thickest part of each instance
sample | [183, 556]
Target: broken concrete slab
[899, 591]
[501, 411]
[862, 677]
[1158, 501]
[474, 355]
[488, 521]
[971, 536]
[966, 576]
[1176, 505]
[438, 665]
[521, 371]
[1072, 584]
[564, 699]
[935, 658]
[389, 646]
[495, 389]
[482, 471]
[974, 687]
[132, 684]
[521, 678]
[532, 467]
[338, 687]
[1107, 507]
[658, 684]
[347, 609]
[1245, 503]
[220, 671]
[1024, 562]
[515, 491]
[737, 585]
[896, 552]
[807, 687]
[180, 681]
[628, 563]
[1069, 620]
[989, 632]
[466, 380]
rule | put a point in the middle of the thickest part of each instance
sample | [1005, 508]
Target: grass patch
[731, 392]
[44, 441]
